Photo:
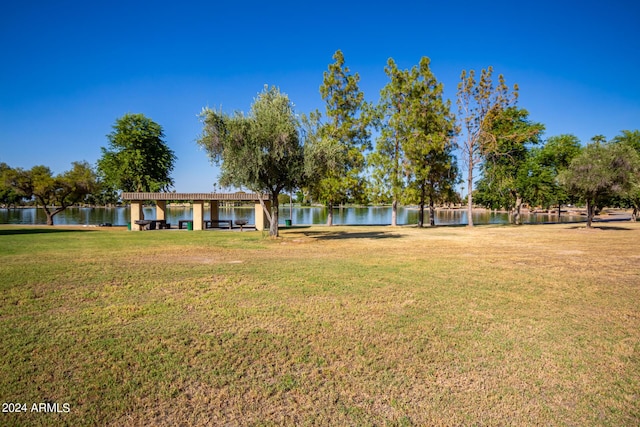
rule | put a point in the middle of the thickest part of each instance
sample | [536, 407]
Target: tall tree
[54, 193]
[479, 103]
[388, 161]
[261, 151]
[505, 159]
[137, 159]
[600, 171]
[431, 168]
[339, 142]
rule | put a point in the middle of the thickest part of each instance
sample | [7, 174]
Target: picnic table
[152, 224]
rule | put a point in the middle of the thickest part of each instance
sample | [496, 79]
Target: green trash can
[129, 226]
[287, 223]
[190, 226]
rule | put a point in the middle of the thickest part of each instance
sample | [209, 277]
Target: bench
[152, 224]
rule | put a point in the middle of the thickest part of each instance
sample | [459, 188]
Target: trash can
[129, 226]
[190, 226]
[287, 223]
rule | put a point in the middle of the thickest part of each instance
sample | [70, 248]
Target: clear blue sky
[71, 68]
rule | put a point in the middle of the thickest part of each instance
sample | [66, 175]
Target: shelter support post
[161, 209]
[136, 215]
[198, 214]
[262, 221]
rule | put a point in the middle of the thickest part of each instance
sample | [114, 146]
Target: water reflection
[300, 215]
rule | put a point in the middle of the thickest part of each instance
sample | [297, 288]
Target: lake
[301, 216]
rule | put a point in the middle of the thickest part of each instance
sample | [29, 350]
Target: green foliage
[413, 161]
[261, 151]
[540, 172]
[8, 195]
[334, 148]
[392, 113]
[138, 159]
[631, 198]
[53, 193]
[600, 172]
[430, 165]
[504, 179]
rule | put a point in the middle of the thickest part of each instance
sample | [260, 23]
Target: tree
[54, 193]
[137, 159]
[431, 168]
[504, 160]
[632, 197]
[542, 168]
[261, 151]
[392, 113]
[8, 194]
[479, 103]
[334, 149]
[599, 172]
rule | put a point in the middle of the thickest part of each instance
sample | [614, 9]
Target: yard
[496, 325]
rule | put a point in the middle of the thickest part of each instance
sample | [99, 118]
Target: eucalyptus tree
[137, 159]
[53, 193]
[336, 144]
[600, 171]
[479, 103]
[504, 167]
[261, 151]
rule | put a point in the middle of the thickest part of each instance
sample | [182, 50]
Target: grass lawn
[496, 325]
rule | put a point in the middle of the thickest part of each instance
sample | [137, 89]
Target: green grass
[531, 325]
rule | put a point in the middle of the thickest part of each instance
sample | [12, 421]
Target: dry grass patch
[324, 326]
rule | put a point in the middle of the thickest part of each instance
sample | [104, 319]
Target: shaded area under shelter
[198, 201]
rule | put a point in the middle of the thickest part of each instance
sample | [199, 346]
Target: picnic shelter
[198, 201]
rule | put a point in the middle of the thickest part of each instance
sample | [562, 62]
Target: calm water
[306, 215]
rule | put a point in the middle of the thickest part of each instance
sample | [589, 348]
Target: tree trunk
[432, 213]
[274, 229]
[270, 214]
[589, 213]
[517, 218]
[394, 213]
[421, 210]
[559, 208]
[634, 214]
[50, 214]
[469, 197]
[47, 212]
[330, 214]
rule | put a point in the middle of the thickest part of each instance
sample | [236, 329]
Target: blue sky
[70, 68]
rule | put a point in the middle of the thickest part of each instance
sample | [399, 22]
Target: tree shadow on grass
[19, 231]
[340, 235]
[600, 227]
